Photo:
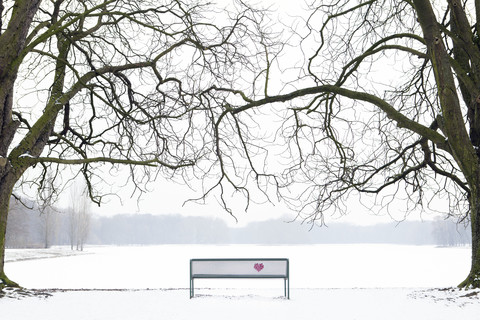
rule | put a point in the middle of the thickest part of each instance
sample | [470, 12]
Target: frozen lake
[311, 266]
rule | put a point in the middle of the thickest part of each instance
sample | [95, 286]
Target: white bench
[240, 268]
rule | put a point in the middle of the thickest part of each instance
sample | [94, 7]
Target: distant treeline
[175, 229]
[27, 228]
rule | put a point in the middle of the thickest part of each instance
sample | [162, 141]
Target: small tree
[449, 233]
[79, 216]
[19, 231]
[49, 217]
[49, 220]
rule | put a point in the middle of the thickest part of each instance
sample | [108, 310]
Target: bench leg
[286, 287]
[191, 288]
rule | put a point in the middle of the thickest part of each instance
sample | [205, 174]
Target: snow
[33, 254]
[327, 281]
[26, 155]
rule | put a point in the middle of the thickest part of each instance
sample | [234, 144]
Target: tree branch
[148, 163]
[401, 120]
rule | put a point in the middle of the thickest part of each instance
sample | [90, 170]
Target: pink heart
[258, 266]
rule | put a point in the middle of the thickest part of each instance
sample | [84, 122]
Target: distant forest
[29, 228]
[151, 229]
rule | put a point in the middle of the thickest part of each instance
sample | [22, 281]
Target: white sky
[167, 197]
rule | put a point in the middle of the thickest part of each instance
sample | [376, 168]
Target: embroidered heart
[258, 266]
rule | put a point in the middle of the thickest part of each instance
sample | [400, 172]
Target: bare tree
[19, 231]
[83, 83]
[49, 216]
[384, 107]
[79, 216]
[448, 233]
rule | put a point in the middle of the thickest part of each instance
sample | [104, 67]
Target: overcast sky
[169, 198]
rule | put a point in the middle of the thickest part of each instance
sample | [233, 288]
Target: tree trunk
[459, 141]
[12, 43]
[473, 278]
[6, 187]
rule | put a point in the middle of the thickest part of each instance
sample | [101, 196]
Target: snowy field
[327, 282]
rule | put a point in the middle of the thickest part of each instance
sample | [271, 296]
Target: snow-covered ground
[327, 282]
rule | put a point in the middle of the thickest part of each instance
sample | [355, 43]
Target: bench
[240, 268]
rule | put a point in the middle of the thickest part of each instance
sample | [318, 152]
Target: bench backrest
[239, 268]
